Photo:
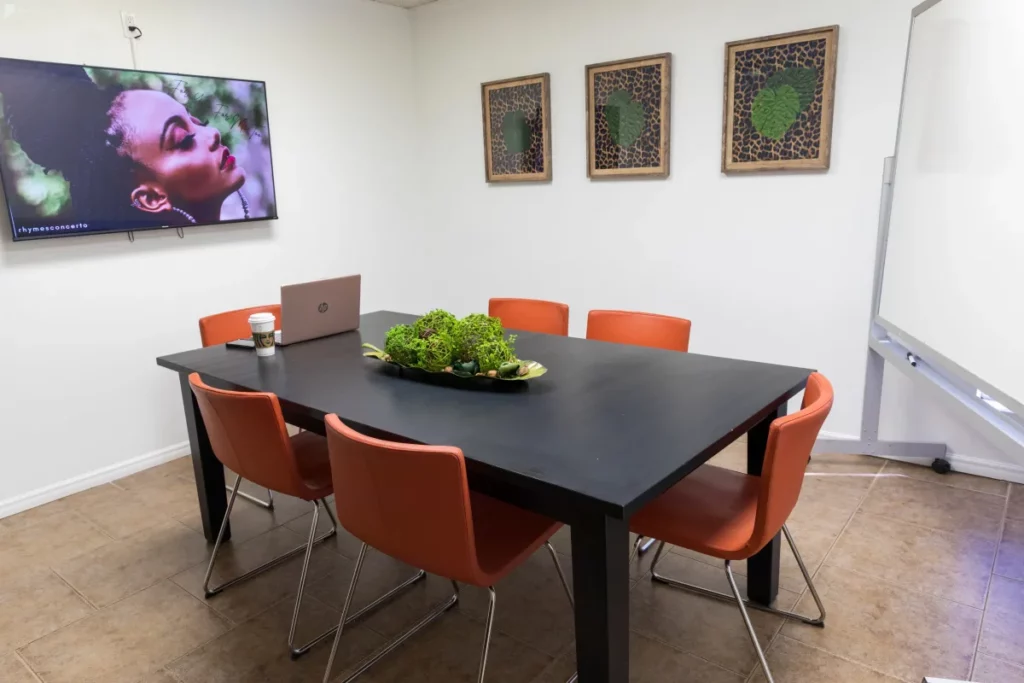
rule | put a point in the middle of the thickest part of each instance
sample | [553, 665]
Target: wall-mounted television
[87, 150]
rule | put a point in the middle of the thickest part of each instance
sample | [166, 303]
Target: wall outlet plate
[128, 19]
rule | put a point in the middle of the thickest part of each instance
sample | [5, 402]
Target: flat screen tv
[87, 150]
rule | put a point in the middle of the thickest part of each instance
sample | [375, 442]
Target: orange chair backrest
[248, 434]
[790, 440]
[221, 328]
[639, 329]
[408, 501]
[531, 315]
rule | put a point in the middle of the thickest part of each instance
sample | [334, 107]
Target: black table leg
[600, 572]
[209, 471]
[763, 568]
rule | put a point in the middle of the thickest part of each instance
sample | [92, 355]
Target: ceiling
[408, 4]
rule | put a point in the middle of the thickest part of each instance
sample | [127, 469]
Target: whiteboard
[953, 278]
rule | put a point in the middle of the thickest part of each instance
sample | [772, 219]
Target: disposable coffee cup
[262, 325]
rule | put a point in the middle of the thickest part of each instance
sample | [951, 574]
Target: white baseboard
[89, 480]
[967, 464]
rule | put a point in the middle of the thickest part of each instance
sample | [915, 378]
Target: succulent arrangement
[474, 346]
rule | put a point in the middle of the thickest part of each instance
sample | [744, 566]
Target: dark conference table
[608, 429]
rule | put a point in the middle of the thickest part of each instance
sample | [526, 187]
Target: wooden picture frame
[779, 102]
[640, 143]
[517, 129]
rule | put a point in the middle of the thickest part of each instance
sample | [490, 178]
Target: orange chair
[248, 434]
[413, 503]
[639, 329]
[732, 516]
[531, 315]
[220, 328]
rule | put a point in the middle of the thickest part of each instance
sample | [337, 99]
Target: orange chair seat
[314, 465]
[711, 511]
[505, 536]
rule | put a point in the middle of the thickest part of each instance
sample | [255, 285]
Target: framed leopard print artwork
[517, 129]
[779, 94]
[628, 115]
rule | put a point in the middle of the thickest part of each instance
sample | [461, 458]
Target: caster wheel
[941, 466]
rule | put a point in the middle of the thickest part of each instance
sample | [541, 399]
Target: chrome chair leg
[297, 652]
[211, 591]
[657, 556]
[812, 621]
[746, 620]
[488, 628]
[268, 503]
[647, 545]
[345, 619]
[820, 621]
[561, 575]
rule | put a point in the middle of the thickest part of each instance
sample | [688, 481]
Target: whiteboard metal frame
[938, 376]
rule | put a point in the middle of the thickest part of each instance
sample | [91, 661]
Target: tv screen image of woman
[92, 150]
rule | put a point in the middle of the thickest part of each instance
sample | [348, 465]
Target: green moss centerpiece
[439, 344]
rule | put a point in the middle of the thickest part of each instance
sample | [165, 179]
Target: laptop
[319, 309]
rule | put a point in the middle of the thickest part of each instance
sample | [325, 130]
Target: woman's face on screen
[186, 161]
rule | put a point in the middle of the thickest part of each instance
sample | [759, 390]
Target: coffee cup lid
[257, 318]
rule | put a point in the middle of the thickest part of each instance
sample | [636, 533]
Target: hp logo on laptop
[322, 307]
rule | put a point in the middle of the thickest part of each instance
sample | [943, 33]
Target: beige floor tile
[380, 574]
[990, 670]
[126, 641]
[247, 599]
[531, 605]
[838, 481]
[35, 604]
[649, 662]
[1016, 508]
[955, 479]
[169, 496]
[52, 540]
[119, 569]
[448, 651]
[117, 512]
[153, 475]
[955, 566]
[257, 650]
[158, 677]
[1002, 635]
[249, 520]
[12, 670]
[27, 518]
[1011, 551]
[791, 660]
[182, 467]
[935, 506]
[708, 628]
[886, 628]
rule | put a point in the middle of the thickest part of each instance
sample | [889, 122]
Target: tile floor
[921, 575]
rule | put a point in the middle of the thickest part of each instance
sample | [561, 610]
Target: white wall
[769, 267]
[84, 318]
[775, 267]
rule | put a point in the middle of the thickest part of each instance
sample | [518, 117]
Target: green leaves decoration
[441, 343]
[785, 95]
[516, 131]
[803, 80]
[774, 111]
[626, 118]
